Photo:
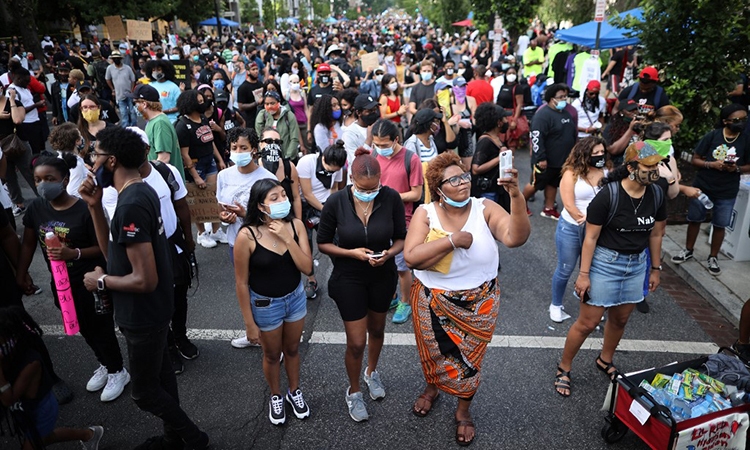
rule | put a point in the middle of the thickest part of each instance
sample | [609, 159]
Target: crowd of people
[392, 170]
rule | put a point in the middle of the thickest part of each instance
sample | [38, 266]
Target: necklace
[724, 132]
[365, 211]
[635, 207]
[128, 183]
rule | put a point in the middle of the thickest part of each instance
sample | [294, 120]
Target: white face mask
[510, 77]
[379, 78]
[294, 86]
[393, 86]
[389, 58]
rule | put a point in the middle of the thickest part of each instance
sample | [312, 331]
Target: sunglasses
[456, 180]
[271, 141]
[737, 120]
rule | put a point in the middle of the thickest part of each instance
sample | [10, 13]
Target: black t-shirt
[136, 220]
[422, 92]
[73, 226]
[485, 151]
[107, 112]
[245, 95]
[318, 91]
[713, 147]
[620, 59]
[20, 357]
[198, 137]
[630, 228]
[505, 96]
[647, 101]
[553, 135]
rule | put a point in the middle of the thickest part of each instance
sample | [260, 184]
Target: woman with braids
[623, 130]
[325, 122]
[25, 379]
[581, 174]
[455, 296]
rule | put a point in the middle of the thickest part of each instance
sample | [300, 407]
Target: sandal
[430, 399]
[461, 437]
[606, 367]
[560, 383]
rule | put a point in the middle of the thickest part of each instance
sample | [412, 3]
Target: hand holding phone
[376, 255]
[506, 163]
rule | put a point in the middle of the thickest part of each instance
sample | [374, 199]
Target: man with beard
[247, 101]
[646, 92]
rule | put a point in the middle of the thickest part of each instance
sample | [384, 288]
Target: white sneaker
[557, 313]
[98, 381]
[93, 443]
[219, 236]
[115, 385]
[205, 241]
[242, 342]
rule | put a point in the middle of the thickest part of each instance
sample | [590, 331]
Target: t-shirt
[234, 187]
[325, 137]
[122, 79]
[587, 117]
[481, 90]
[647, 101]
[137, 220]
[245, 95]
[486, 150]
[307, 168]
[529, 55]
[507, 91]
[73, 226]
[553, 135]
[354, 137]
[318, 91]
[426, 154]
[162, 137]
[713, 147]
[630, 228]
[78, 175]
[26, 98]
[168, 94]
[197, 137]
[393, 175]
[620, 59]
[421, 92]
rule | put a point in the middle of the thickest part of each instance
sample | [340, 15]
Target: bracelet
[705, 165]
[583, 273]
[450, 238]
[4, 388]
[79, 254]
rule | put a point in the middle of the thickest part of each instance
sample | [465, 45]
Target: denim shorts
[722, 211]
[289, 308]
[206, 166]
[45, 415]
[616, 278]
[401, 263]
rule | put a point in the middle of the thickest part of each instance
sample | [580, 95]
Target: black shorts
[355, 293]
[543, 178]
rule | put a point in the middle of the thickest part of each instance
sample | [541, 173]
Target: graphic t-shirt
[196, 136]
[713, 147]
[647, 101]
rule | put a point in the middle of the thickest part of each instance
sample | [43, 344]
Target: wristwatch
[100, 283]
[4, 388]
[657, 268]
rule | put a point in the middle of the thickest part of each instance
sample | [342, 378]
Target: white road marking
[499, 341]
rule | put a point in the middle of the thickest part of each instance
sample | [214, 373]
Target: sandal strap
[562, 373]
[429, 398]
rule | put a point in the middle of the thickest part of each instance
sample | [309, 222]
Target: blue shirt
[168, 93]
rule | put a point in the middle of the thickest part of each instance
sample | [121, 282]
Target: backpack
[614, 199]
[657, 94]
[168, 176]
[407, 165]
[100, 73]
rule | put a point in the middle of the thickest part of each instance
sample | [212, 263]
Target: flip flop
[562, 384]
[465, 424]
[431, 399]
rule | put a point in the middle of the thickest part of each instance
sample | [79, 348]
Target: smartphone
[506, 163]
[376, 255]
[586, 296]
[262, 302]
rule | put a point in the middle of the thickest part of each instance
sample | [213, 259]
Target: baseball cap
[364, 102]
[428, 46]
[221, 96]
[649, 73]
[115, 54]
[594, 86]
[83, 85]
[64, 65]
[426, 115]
[324, 68]
[459, 81]
[642, 152]
[144, 92]
[630, 105]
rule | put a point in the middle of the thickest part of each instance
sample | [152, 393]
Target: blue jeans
[722, 212]
[489, 195]
[277, 310]
[568, 240]
[128, 117]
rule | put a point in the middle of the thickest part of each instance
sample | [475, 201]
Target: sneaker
[205, 241]
[176, 360]
[243, 342]
[116, 383]
[558, 314]
[683, 256]
[37, 289]
[528, 211]
[219, 236]
[642, 307]
[98, 381]
[356, 405]
[375, 386]
[713, 266]
[550, 213]
[300, 408]
[276, 413]
[187, 349]
[93, 443]
[394, 302]
[403, 312]
[18, 210]
[311, 289]
[62, 392]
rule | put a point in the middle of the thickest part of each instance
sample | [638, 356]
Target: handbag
[444, 265]
[13, 147]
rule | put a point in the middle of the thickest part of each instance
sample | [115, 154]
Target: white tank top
[471, 267]
[584, 193]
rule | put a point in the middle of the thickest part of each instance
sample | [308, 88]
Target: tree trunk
[23, 12]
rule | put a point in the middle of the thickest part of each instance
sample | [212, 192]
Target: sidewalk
[726, 292]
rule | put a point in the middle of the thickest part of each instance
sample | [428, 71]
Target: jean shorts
[616, 278]
[401, 263]
[722, 211]
[289, 308]
[45, 415]
[206, 166]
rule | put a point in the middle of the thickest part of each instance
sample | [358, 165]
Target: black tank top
[6, 125]
[271, 274]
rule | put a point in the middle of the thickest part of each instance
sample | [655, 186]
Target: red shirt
[481, 90]
[36, 87]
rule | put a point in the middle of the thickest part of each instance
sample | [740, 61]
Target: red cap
[324, 68]
[649, 73]
[594, 86]
[428, 46]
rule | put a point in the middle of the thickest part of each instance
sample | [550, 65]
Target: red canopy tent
[464, 23]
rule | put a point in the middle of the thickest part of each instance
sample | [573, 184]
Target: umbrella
[331, 20]
[610, 36]
[464, 23]
[224, 22]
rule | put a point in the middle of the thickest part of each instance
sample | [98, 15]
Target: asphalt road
[515, 408]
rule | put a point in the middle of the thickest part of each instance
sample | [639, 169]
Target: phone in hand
[376, 255]
[506, 163]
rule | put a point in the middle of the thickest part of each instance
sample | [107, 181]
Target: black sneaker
[683, 256]
[177, 364]
[187, 349]
[299, 406]
[276, 413]
[713, 266]
[642, 307]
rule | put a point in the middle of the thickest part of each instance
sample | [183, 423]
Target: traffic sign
[601, 9]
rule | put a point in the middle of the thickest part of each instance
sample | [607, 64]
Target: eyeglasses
[88, 108]
[370, 191]
[99, 154]
[270, 141]
[737, 120]
[562, 98]
[457, 180]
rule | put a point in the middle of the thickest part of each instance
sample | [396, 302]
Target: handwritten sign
[181, 70]
[115, 28]
[139, 30]
[203, 204]
[369, 61]
[725, 432]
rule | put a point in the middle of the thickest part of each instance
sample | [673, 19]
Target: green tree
[269, 14]
[249, 11]
[194, 11]
[443, 13]
[515, 14]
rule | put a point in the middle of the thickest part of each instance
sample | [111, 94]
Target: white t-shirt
[425, 154]
[587, 118]
[26, 98]
[306, 168]
[234, 187]
[497, 84]
[354, 137]
[77, 175]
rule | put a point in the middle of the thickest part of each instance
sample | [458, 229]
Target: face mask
[81, 145]
[737, 127]
[271, 157]
[646, 177]
[371, 118]
[426, 76]
[90, 115]
[504, 127]
[241, 159]
[196, 58]
[452, 202]
[325, 79]
[159, 55]
[510, 78]
[392, 87]
[104, 178]
[336, 114]
[449, 71]
[597, 161]
[50, 190]
[389, 58]
[63, 78]
[463, 71]
[627, 119]
[561, 104]
[294, 87]
[384, 151]
[367, 198]
[279, 210]
[662, 147]
[218, 84]
[295, 71]
[158, 76]
[378, 78]
[202, 107]
[346, 112]
[205, 51]
[460, 93]
[174, 57]
[272, 109]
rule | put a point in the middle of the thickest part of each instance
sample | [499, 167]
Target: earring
[631, 176]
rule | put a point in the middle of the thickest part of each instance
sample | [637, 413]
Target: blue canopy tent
[224, 23]
[610, 36]
[331, 20]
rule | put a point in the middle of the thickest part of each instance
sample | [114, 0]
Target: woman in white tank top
[582, 171]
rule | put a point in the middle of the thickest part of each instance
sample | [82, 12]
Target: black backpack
[614, 198]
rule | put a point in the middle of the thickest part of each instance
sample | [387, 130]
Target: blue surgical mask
[384, 151]
[219, 84]
[174, 57]
[336, 114]
[279, 210]
[241, 159]
[454, 203]
[365, 197]
[426, 76]
[561, 104]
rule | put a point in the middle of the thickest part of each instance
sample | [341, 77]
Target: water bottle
[707, 203]
[102, 302]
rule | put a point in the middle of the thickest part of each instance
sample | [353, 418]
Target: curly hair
[349, 94]
[322, 112]
[64, 137]
[487, 116]
[234, 134]
[436, 169]
[578, 159]
[125, 145]
[167, 68]
[187, 102]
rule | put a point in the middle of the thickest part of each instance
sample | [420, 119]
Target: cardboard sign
[181, 71]
[115, 28]
[725, 432]
[369, 61]
[203, 204]
[258, 95]
[139, 30]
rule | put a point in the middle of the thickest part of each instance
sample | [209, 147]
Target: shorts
[548, 177]
[206, 166]
[288, 308]
[45, 415]
[722, 211]
[357, 293]
[401, 263]
[616, 278]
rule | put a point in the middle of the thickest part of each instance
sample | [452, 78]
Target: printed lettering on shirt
[130, 230]
[564, 121]
[204, 134]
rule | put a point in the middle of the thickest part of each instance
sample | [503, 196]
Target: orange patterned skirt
[452, 330]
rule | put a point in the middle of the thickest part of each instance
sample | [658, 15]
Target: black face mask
[504, 127]
[737, 127]
[201, 108]
[322, 174]
[370, 118]
[596, 161]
